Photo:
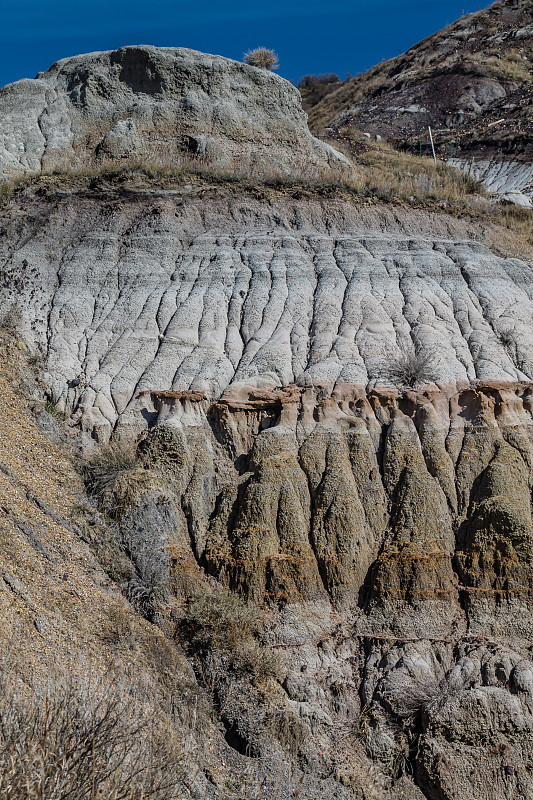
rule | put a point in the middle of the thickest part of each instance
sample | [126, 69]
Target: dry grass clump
[219, 621]
[80, 738]
[510, 66]
[519, 221]
[389, 174]
[262, 57]
[411, 369]
[115, 478]
[409, 700]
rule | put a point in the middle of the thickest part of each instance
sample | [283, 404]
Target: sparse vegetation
[115, 478]
[509, 66]
[219, 621]
[262, 57]
[411, 369]
[312, 80]
[52, 409]
[417, 694]
[381, 174]
[78, 738]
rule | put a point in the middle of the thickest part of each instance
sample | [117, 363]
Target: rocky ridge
[157, 105]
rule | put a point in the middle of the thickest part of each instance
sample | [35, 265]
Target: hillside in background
[471, 82]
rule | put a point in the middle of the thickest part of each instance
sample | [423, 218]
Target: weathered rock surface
[511, 180]
[158, 104]
[380, 515]
[247, 343]
[142, 294]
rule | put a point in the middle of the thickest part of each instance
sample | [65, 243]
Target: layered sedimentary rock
[332, 410]
[141, 293]
[411, 569]
[157, 105]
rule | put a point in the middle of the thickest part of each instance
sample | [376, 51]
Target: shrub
[412, 369]
[411, 699]
[324, 78]
[218, 621]
[80, 739]
[262, 57]
[102, 471]
[116, 478]
[147, 550]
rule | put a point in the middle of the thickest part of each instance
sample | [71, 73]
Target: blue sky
[309, 35]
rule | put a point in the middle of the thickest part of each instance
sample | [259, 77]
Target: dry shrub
[218, 621]
[419, 694]
[148, 552]
[412, 369]
[115, 478]
[80, 737]
[262, 57]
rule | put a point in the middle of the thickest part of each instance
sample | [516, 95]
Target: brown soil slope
[471, 82]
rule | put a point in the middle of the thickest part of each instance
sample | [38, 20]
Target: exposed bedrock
[358, 514]
[158, 104]
[252, 349]
[511, 180]
[396, 544]
[140, 292]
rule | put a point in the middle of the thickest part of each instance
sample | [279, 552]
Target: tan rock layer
[402, 505]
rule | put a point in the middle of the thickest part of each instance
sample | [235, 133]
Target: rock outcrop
[331, 408]
[158, 105]
[510, 180]
[142, 293]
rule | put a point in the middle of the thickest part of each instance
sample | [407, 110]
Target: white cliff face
[511, 180]
[176, 292]
[158, 104]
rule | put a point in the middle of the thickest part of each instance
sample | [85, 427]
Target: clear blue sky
[309, 35]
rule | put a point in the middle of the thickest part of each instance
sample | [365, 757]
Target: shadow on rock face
[138, 70]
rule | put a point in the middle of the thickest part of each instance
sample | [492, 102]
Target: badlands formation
[332, 408]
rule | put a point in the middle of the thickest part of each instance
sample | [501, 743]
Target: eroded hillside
[290, 492]
[471, 82]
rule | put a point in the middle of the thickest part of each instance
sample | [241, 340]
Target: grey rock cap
[158, 104]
